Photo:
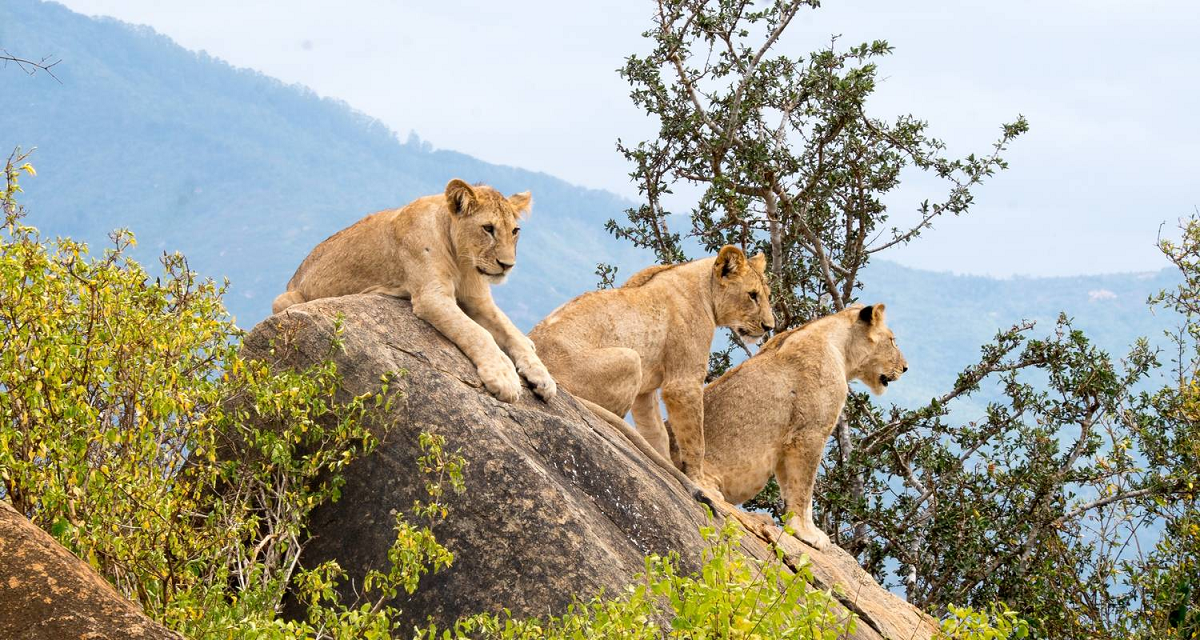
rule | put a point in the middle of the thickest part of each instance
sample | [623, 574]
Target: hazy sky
[1110, 89]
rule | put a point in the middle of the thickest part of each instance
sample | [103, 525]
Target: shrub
[733, 596]
[133, 431]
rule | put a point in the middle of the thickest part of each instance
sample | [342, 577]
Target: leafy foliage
[998, 623]
[733, 596]
[1165, 579]
[787, 156]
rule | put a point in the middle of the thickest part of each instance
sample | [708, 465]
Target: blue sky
[1110, 89]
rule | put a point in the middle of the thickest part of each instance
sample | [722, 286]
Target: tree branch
[31, 67]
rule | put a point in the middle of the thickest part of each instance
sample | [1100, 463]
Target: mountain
[244, 175]
[941, 319]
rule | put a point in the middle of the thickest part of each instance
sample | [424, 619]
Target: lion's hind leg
[609, 377]
[796, 473]
[649, 422]
[285, 300]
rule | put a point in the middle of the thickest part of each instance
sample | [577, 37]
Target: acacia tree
[788, 158]
[789, 161]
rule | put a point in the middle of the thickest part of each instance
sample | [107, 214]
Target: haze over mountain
[244, 175]
[240, 172]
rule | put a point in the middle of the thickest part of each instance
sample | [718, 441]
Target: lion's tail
[638, 441]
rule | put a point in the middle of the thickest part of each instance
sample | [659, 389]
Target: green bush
[733, 596]
[997, 623]
[133, 431]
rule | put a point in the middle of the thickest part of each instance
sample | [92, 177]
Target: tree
[789, 159]
[1029, 503]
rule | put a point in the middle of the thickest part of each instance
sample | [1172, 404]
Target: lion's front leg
[796, 472]
[685, 409]
[495, 368]
[516, 344]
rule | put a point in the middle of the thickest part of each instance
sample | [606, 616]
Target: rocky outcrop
[558, 503]
[48, 593]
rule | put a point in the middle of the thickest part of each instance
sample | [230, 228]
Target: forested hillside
[239, 171]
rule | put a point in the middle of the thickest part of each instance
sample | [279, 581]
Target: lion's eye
[515, 230]
[754, 296]
[490, 229]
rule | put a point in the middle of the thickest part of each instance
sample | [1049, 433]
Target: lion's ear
[521, 202]
[872, 315]
[730, 261]
[460, 197]
[759, 262]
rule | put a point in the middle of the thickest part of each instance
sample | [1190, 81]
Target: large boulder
[46, 593]
[558, 504]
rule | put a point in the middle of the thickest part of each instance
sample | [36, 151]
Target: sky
[1109, 88]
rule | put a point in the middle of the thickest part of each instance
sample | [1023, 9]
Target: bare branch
[1102, 502]
[31, 67]
[748, 72]
[664, 24]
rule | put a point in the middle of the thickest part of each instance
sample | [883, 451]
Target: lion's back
[371, 253]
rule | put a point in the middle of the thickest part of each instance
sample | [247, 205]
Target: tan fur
[441, 252]
[773, 413]
[618, 347]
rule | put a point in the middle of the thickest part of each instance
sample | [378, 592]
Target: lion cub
[441, 251]
[618, 347]
[774, 412]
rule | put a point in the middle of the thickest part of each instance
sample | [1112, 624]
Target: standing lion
[442, 252]
[773, 413]
[616, 348]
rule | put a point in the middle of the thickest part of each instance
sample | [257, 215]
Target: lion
[773, 413]
[616, 348]
[442, 252]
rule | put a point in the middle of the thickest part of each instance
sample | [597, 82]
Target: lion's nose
[505, 265]
[905, 369]
[767, 327]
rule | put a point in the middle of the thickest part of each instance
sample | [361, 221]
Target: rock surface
[558, 503]
[48, 593]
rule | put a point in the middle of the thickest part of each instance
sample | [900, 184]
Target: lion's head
[484, 225]
[741, 298]
[875, 348]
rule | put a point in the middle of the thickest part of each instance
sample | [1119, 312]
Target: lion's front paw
[809, 533]
[539, 378]
[501, 379]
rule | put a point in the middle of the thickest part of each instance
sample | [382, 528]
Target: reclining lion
[773, 413]
[441, 251]
[615, 348]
